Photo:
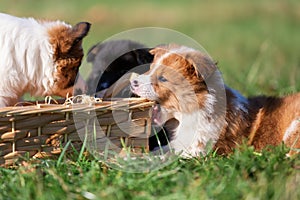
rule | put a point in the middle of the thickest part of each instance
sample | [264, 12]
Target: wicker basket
[43, 130]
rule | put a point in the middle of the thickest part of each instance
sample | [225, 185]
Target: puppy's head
[66, 42]
[176, 79]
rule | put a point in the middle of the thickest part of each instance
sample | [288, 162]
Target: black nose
[135, 83]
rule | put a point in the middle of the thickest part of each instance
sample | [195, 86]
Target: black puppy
[113, 59]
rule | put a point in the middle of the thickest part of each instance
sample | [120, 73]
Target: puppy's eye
[162, 79]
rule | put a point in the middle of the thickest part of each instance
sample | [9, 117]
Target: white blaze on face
[142, 85]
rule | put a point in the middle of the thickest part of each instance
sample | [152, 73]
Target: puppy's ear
[202, 64]
[157, 52]
[154, 51]
[80, 30]
[66, 41]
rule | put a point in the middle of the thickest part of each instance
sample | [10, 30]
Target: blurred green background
[256, 43]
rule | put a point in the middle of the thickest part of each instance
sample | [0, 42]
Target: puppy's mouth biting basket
[46, 130]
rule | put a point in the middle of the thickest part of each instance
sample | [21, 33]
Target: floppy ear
[204, 67]
[66, 40]
[155, 51]
[80, 30]
[158, 51]
[163, 48]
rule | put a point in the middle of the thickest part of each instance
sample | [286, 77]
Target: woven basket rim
[107, 104]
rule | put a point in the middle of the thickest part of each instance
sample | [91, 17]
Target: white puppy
[38, 56]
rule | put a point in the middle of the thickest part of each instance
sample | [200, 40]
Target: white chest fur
[196, 130]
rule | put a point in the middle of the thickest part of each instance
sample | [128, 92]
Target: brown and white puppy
[187, 84]
[37, 56]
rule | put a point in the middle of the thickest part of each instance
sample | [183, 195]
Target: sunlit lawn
[256, 44]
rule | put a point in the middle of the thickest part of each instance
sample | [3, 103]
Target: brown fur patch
[179, 82]
[278, 113]
[66, 42]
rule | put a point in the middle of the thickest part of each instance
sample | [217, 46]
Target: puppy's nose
[134, 80]
[135, 83]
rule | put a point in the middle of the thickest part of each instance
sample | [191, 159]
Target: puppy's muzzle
[143, 87]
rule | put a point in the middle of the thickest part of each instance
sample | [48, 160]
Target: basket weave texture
[43, 130]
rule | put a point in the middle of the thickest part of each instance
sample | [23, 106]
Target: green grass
[256, 44]
[242, 175]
